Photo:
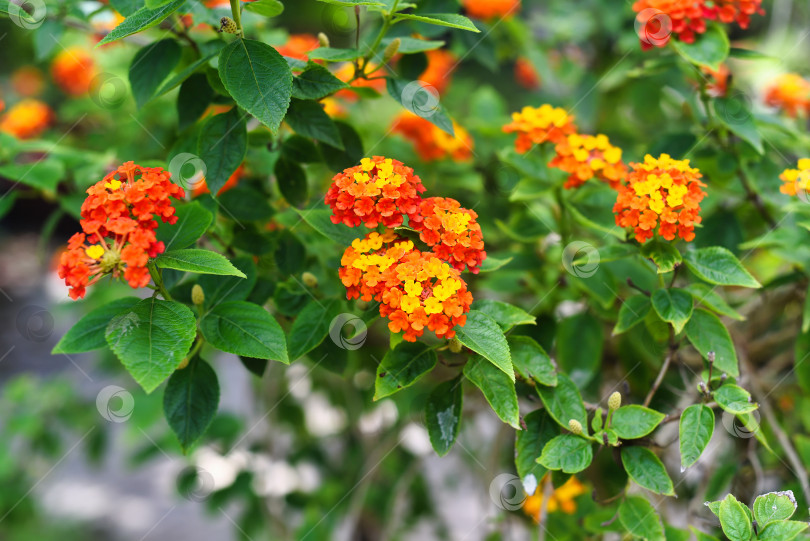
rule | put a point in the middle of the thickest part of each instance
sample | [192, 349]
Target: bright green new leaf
[483, 335]
[141, 20]
[568, 453]
[707, 333]
[734, 399]
[197, 261]
[505, 314]
[564, 402]
[694, 433]
[633, 421]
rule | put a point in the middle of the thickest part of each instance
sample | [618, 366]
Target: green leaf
[403, 366]
[141, 20]
[716, 265]
[498, 389]
[774, 506]
[633, 421]
[632, 312]
[315, 82]
[700, 536]
[708, 297]
[222, 147]
[244, 328]
[292, 181]
[318, 217]
[43, 175]
[641, 519]
[734, 399]
[531, 361]
[782, 531]
[529, 443]
[151, 339]
[191, 400]
[646, 470]
[707, 333]
[748, 54]
[493, 263]
[710, 49]
[352, 3]
[483, 335]
[506, 315]
[452, 20]
[665, 256]
[331, 54]
[673, 306]
[258, 78]
[193, 99]
[266, 8]
[88, 333]
[579, 343]
[568, 453]
[422, 100]
[443, 415]
[413, 45]
[311, 326]
[197, 261]
[150, 66]
[564, 402]
[694, 433]
[243, 203]
[185, 73]
[337, 159]
[734, 520]
[218, 289]
[307, 118]
[735, 114]
[192, 221]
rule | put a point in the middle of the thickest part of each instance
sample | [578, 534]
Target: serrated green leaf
[218, 289]
[185, 73]
[483, 335]
[695, 430]
[141, 20]
[266, 8]
[646, 470]
[663, 254]
[413, 45]
[531, 361]
[307, 118]
[785, 530]
[403, 366]
[568, 453]
[222, 146]
[190, 401]
[498, 389]
[708, 297]
[564, 402]
[716, 265]
[315, 82]
[311, 326]
[673, 306]
[734, 520]
[452, 20]
[150, 66]
[633, 421]
[192, 221]
[88, 333]
[774, 506]
[246, 329]
[505, 314]
[421, 99]
[331, 54]
[197, 261]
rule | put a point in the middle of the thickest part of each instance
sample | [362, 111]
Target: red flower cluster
[452, 232]
[378, 191]
[119, 218]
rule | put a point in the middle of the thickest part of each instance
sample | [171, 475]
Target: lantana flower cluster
[796, 181]
[431, 142]
[73, 71]
[417, 289]
[791, 93]
[118, 221]
[26, 119]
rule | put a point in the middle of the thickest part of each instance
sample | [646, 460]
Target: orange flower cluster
[26, 119]
[536, 125]
[526, 75]
[28, 82]
[119, 218]
[562, 499]
[452, 232]
[729, 11]
[440, 66]
[663, 193]
[490, 9]
[431, 142]
[299, 46]
[378, 191]
[586, 156]
[796, 181]
[791, 93]
[73, 71]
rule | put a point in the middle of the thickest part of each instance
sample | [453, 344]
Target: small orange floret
[73, 70]
[739, 11]
[526, 75]
[796, 181]
[28, 82]
[663, 193]
[452, 232]
[536, 125]
[299, 46]
[441, 64]
[490, 9]
[657, 20]
[584, 157]
[791, 93]
[431, 142]
[26, 119]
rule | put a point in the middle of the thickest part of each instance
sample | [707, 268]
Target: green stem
[197, 346]
[158, 279]
[388, 20]
[236, 11]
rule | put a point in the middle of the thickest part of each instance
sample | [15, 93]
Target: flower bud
[391, 50]
[309, 279]
[615, 400]
[575, 426]
[455, 345]
[323, 39]
[197, 295]
[184, 363]
[228, 25]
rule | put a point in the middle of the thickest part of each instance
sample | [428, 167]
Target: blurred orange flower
[26, 119]
[489, 9]
[299, 46]
[440, 66]
[28, 81]
[586, 156]
[431, 142]
[562, 499]
[717, 81]
[536, 125]
[73, 70]
[796, 181]
[740, 11]
[658, 19]
[791, 93]
[526, 75]
[201, 187]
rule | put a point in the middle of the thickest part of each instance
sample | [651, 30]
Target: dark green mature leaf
[191, 400]
[443, 415]
[641, 519]
[319, 218]
[266, 8]
[632, 312]
[694, 433]
[151, 339]
[141, 20]
[452, 20]
[734, 399]
[218, 289]
[782, 531]
[646, 470]
[193, 100]
[735, 114]
[774, 506]
[633, 421]
[307, 118]
[673, 306]
[716, 265]
[150, 66]
[315, 82]
[735, 520]
[579, 343]
[222, 147]
[708, 297]
[244, 328]
[403, 366]
[198, 261]
[88, 333]
[186, 73]
[292, 181]
[498, 389]
[529, 444]
[707, 333]
[564, 402]
[311, 326]
[420, 99]
[192, 221]
[243, 203]
[337, 159]
[531, 361]
[483, 335]
[709, 49]
[258, 78]
[505, 314]
[43, 175]
[568, 453]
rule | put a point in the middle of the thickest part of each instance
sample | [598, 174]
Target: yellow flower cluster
[372, 243]
[385, 176]
[443, 290]
[796, 180]
[536, 125]
[652, 188]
